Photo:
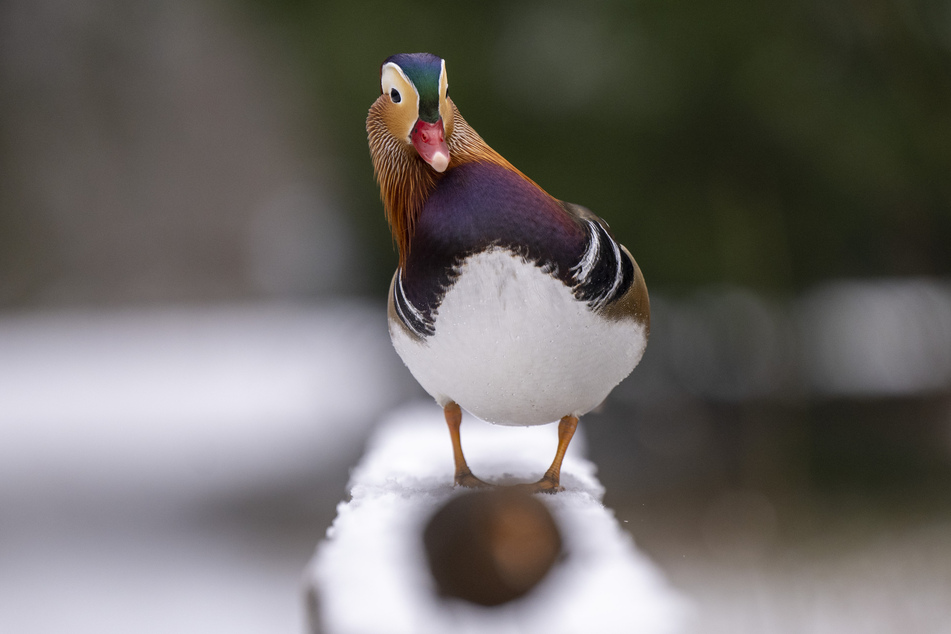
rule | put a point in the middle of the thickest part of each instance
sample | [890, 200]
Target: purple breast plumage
[478, 206]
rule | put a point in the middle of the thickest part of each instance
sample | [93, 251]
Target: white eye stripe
[390, 78]
[443, 80]
[406, 110]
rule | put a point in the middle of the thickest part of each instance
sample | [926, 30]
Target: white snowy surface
[187, 400]
[370, 575]
[145, 456]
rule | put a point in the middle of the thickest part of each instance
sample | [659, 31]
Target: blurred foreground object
[374, 551]
[492, 546]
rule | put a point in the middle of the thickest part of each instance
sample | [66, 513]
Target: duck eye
[395, 95]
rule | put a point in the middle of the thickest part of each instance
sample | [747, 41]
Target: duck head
[416, 106]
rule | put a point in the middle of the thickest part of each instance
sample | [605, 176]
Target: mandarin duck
[506, 302]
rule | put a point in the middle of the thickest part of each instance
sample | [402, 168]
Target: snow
[370, 576]
[178, 400]
[144, 577]
[151, 460]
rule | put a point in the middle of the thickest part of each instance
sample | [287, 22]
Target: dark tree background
[771, 145]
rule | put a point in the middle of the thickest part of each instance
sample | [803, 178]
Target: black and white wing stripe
[605, 271]
[418, 323]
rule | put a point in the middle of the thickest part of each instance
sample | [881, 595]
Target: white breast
[514, 347]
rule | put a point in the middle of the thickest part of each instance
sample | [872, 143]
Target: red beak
[429, 139]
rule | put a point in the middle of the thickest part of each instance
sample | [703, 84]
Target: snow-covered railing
[371, 574]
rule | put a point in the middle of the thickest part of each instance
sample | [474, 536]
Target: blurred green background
[771, 145]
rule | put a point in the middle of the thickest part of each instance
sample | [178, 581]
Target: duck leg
[550, 481]
[464, 475]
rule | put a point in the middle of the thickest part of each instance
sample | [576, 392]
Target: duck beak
[429, 139]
